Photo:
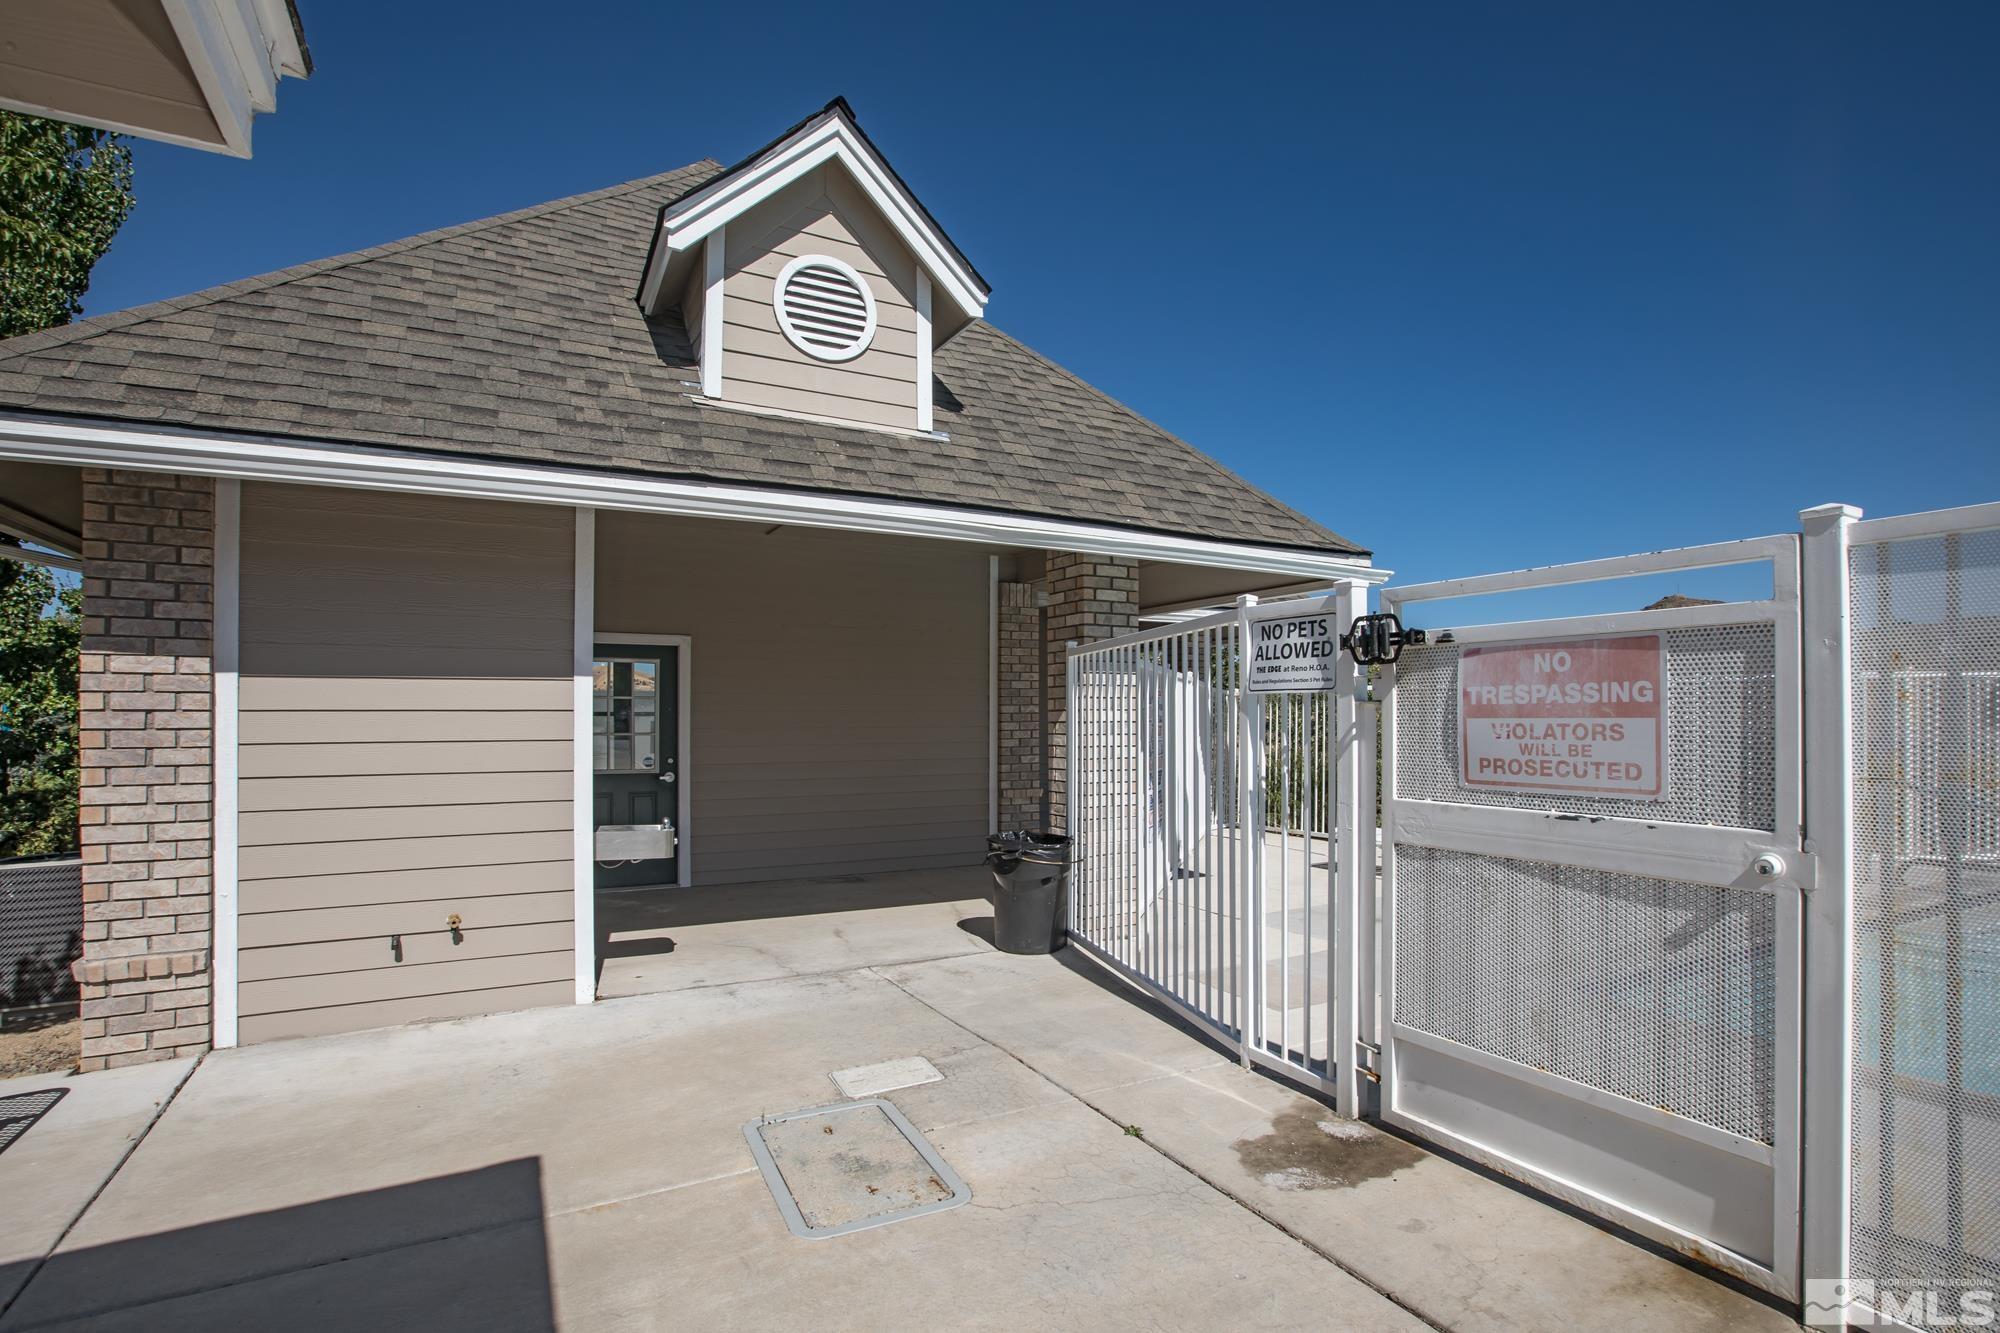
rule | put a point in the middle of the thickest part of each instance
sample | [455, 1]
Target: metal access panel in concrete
[850, 1166]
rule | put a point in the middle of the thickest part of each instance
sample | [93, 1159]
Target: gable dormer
[812, 282]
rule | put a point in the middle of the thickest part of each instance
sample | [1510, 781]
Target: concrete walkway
[586, 1169]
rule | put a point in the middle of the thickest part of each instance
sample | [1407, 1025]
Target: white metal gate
[1921, 1146]
[1209, 870]
[1752, 1012]
[1595, 993]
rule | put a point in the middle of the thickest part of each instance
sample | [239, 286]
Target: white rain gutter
[119, 445]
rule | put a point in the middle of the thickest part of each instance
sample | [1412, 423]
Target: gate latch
[1379, 638]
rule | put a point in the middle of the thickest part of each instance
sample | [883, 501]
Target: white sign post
[1585, 715]
[1294, 654]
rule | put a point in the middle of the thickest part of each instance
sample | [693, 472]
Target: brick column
[144, 719]
[1091, 597]
[1020, 680]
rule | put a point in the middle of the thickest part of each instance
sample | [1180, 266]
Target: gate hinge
[1370, 1056]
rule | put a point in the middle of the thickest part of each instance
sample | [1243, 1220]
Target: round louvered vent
[825, 308]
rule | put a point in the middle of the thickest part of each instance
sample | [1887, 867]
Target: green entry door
[635, 728]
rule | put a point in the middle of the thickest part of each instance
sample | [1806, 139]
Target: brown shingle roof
[515, 338]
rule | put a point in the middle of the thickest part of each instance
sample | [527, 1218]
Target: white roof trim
[120, 445]
[237, 50]
[826, 139]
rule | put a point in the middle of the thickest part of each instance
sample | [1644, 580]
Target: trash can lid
[1024, 839]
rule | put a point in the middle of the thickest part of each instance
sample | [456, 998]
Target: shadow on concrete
[661, 909]
[646, 946]
[1102, 977]
[466, 1251]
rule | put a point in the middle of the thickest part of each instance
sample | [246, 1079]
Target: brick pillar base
[144, 723]
[1020, 680]
[1091, 597]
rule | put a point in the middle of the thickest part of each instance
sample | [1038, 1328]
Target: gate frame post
[1828, 1008]
[1353, 875]
[1250, 834]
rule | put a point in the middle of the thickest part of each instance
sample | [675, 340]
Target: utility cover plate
[868, 1080]
[19, 1113]
[850, 1166]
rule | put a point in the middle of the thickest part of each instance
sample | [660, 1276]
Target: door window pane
[625, 718]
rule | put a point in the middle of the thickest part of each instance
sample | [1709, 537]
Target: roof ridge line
[1141, 417]
[80, 330]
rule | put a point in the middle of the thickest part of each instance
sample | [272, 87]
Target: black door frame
[683, 646]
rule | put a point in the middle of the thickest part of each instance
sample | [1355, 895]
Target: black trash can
[1030, 878]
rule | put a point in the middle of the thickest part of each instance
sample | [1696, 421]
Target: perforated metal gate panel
[1720, 727]
[1926, 913]
[1651, 989]
[1600, 993]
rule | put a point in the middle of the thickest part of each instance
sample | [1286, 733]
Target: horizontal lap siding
[839, 691]
[822, 214]
[404, 756]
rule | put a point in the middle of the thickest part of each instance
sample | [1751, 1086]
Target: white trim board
[926, 400]
[992, 694]
[583, 833]
[683, 740]
[45, 440]
[225, 829]
[714, 295]
[33, 527]
[28, 555]
[818, 419]
[828, 137]
[237, 51]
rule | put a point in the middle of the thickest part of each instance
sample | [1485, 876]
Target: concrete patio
[585, 1168]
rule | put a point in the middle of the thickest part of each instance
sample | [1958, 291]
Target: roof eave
[37, 437]
[236, 54]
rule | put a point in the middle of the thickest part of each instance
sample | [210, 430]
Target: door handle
[666, 777]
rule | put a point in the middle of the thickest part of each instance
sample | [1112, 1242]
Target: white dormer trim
[713, 272]
[923, 350]
[690, 221]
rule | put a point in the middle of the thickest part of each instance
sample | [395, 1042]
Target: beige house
[707, 508]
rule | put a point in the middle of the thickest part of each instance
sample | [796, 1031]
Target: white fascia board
[28, 555]
[274, 25]
[204, 38]
[250, 54]
[238, 50]
[132, 128]
[118, 445]
[691, 220]
[42, 531]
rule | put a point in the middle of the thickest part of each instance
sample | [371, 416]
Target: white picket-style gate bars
[1688, 916]
[1208, 870]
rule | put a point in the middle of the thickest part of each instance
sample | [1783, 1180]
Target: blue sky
[1479, 285]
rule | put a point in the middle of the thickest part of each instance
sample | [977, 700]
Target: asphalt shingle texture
[517, 338]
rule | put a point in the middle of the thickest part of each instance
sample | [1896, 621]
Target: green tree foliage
[64, 191]
[40, 628]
